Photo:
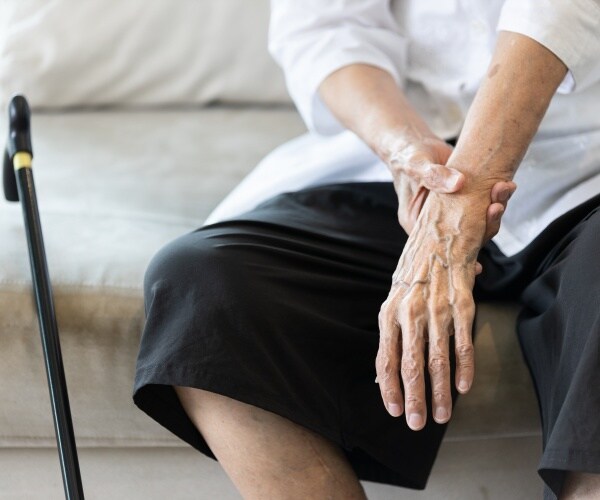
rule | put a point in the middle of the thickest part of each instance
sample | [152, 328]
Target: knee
[580, 485]
[193, 263]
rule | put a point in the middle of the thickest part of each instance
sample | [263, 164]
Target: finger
[500, 194]
[439, 362]
[464, 314]
[502, 191]
[434, 177]
[493, 219]
[387, 363]
[406, 222]
[478, 268]
[412, 325]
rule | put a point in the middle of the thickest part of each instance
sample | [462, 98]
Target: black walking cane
[18, 185]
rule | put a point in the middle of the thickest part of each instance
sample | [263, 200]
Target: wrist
[480, 178]
[482, 169]
[460, 214]
[400, 143]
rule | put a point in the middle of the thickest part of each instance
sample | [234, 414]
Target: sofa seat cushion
[115, 186]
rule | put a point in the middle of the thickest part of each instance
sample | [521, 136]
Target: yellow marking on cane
[22, 160]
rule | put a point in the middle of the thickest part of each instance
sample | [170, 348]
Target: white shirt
[437, 51]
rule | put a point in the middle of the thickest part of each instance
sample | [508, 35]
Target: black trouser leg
[559, 332]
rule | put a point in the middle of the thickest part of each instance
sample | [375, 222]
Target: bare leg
[581, 486]
[268, 456]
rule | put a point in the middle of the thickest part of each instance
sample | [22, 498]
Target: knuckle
[466, 304]
[385, 365]
[412, 307]
[410, 371]
[440, 396]
[410, 363]
[438, 364]
[391, 395]
[413, 402]
[470, 308]
[464, 353]
[439, 309]
[385, 305]
[410, 376]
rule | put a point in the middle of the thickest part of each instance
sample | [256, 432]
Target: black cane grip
[9, 180]
[19, 141]
[19, 127]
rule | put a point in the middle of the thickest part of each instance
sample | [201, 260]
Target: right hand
[418, 166]
[431, 298]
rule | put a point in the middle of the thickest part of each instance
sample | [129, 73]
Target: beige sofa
[116, 184]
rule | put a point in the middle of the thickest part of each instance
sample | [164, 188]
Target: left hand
[430, 299]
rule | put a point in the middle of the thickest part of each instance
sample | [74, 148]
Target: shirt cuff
[568, 28]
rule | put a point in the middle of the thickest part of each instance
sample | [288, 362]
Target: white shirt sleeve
[310, 39]
[568, 28]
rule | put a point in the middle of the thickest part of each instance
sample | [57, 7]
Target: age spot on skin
[493, 71]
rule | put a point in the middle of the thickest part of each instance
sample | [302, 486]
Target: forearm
[431, 294]
[508, 108]
[366, 100]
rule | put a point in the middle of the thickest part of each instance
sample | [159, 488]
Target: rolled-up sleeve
[568, 28]
[310, 39]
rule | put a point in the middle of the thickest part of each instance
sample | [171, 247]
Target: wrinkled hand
[418, 165]
[430, 299]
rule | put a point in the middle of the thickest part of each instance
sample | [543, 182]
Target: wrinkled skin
[430, 299]
[418, 166]
[431, 293]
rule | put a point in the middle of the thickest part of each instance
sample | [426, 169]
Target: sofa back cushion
[63, 53]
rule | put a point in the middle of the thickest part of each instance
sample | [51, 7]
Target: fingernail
[394, 409]
[441, 414]
[463, 386]
[415, 421]
[452, 180]
[504, 195]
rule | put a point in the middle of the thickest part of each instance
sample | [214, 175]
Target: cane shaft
[57, 385]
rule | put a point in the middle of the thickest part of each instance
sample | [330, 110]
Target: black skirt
[278, 308]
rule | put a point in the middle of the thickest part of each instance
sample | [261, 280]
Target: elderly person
[267, 327]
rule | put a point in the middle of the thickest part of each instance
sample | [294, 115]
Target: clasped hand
[431, 294]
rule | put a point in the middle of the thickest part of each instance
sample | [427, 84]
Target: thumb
[438, 178]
